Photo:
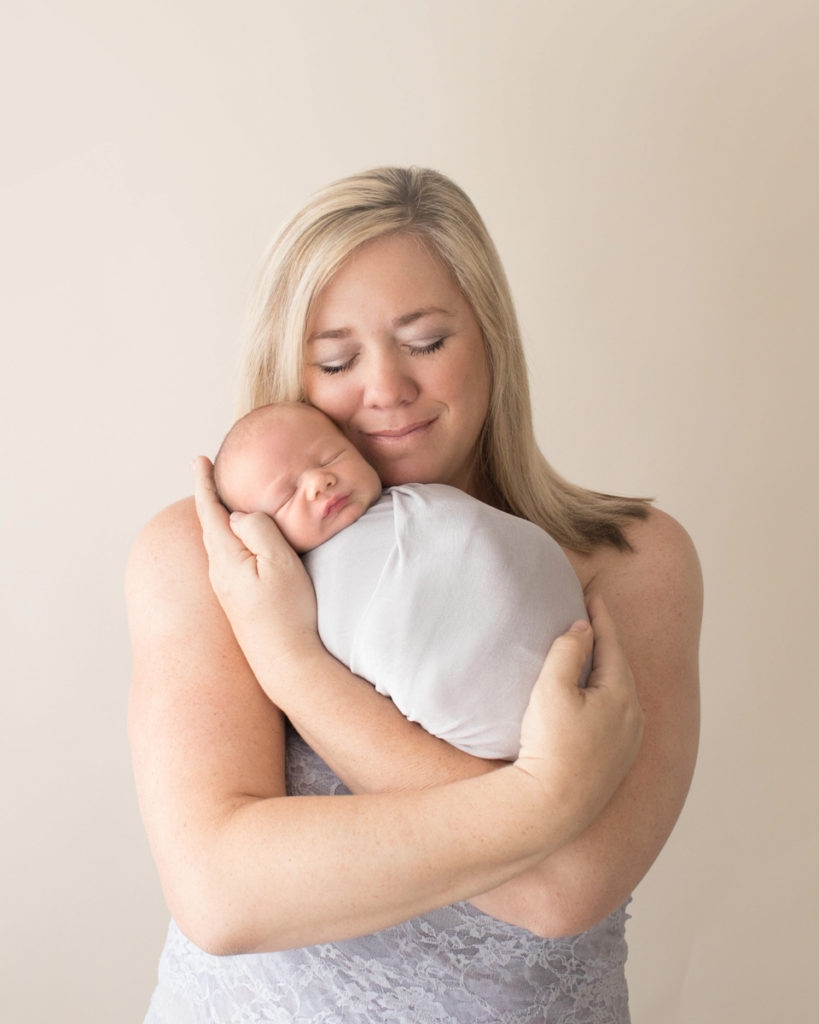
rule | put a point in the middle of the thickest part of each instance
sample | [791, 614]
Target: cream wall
[649, 173]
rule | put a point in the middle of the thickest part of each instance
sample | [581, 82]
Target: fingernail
[579, 627]
[236, 516]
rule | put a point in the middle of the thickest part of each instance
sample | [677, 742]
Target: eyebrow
[399, 321]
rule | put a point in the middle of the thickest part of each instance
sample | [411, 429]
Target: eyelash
[426, 349]
[423, 350]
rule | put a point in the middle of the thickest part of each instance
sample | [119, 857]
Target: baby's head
[292, 462]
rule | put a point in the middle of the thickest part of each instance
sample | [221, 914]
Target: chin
[409, 476]
[423, 472]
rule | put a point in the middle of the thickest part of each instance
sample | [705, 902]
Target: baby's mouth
[335, 505]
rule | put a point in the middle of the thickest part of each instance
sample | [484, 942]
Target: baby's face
[306, 475]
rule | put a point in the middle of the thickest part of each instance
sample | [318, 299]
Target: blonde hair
[427, 205]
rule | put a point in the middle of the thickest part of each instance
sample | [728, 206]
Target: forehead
[398, 270]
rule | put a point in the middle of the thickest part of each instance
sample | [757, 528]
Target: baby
[446, 605]
[292, 462]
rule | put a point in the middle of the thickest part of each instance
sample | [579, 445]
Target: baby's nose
[320, 481]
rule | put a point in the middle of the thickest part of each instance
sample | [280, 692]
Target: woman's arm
[655, 594]
[244, 868]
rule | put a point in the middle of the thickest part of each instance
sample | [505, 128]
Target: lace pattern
[451, 965]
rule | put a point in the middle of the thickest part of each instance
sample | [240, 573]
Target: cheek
[283, 517]
[330, 396]
[472, 389]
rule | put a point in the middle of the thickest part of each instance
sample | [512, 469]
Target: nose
[318, 481]
[387, 383]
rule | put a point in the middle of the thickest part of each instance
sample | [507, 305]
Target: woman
[384, 304]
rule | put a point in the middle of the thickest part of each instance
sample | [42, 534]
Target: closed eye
[423, 350]
[286, 501]
[331, 368]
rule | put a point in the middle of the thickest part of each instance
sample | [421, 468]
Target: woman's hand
[258, 578]
[580, 743]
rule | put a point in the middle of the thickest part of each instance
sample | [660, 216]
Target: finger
[219, 539]
[260, 535]
[568, 655]
[608, 648]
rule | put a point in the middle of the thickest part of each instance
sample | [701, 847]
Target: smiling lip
[398, 433]
[335, 505]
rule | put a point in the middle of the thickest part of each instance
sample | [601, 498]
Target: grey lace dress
[451, 965]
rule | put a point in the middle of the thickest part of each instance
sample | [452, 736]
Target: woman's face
[395, 356]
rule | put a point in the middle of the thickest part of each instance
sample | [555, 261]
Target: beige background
[649, 173]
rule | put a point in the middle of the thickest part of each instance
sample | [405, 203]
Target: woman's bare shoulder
[654, 593]
[176, 527]
[661, 555]
[662, 562]
[661, 539]
[166, 576]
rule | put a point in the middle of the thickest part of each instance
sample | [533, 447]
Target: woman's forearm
[359, 733]
[296, 871]
[353, 727]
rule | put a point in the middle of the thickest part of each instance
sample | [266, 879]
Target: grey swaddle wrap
[447, 606]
